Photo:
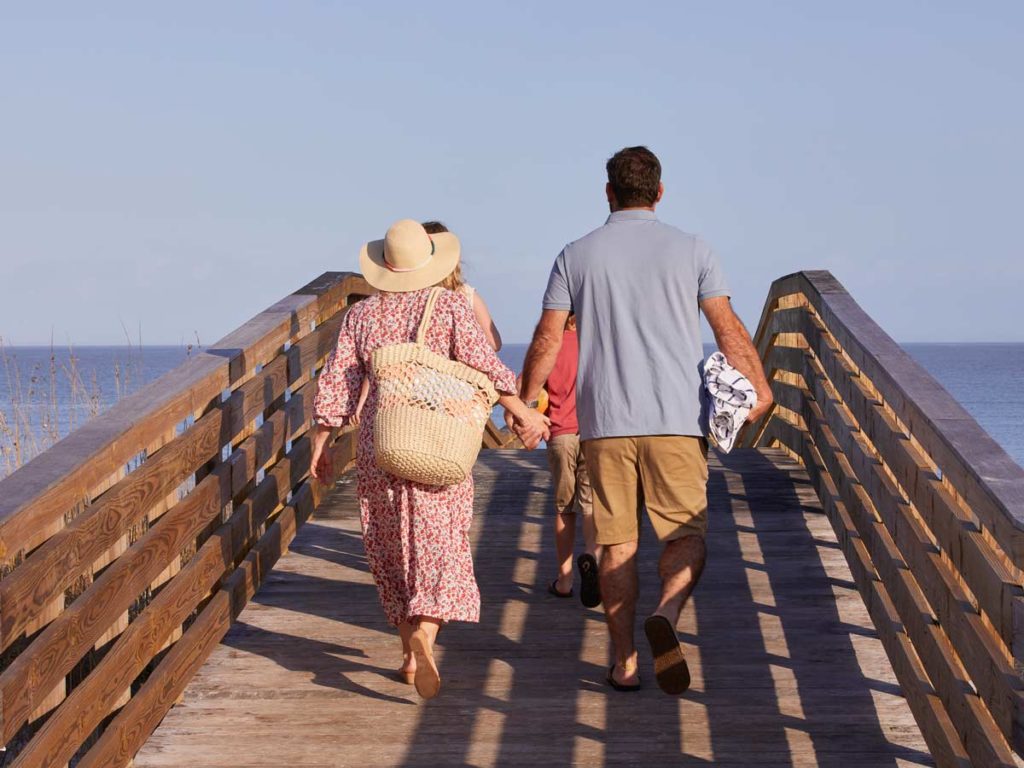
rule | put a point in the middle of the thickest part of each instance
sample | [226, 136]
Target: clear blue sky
[181, 167]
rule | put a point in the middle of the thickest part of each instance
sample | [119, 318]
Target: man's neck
[616, 209]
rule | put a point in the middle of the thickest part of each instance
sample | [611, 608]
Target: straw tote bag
[431, 411]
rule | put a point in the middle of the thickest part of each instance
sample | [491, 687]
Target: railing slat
[939, 505]
[96, 697]
[137, 720]
[978, 731]
[991, 582]
[990, 481]
[67, 638]
[973, 641]
[937, 727]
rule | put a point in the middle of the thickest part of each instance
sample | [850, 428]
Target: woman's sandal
[426, 678]
[624, 687]
[670, 666]
[404, 676]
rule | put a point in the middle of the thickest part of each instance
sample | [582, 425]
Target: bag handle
[428, 312]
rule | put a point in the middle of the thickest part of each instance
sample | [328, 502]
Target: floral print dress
[416, 536]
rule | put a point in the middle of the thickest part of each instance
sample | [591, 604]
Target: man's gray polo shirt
[635, 285]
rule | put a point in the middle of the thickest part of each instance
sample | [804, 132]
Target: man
[637, 287]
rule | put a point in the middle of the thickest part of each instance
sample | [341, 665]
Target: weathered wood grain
[978, 731]
[990, 580]
[975, 644]
[57, 741]
[938, 729]
[990, 481]
[141, 715]
[56, 650]
[786, 664]
[938, 505]
[58, 562]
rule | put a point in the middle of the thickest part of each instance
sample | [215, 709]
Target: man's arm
[540, 357]
[735, 343]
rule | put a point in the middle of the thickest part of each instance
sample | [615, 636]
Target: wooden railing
[129, 547]
[499, 437]
[928, 509]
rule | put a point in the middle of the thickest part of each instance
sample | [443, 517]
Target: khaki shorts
[569, 475]
[667, 474]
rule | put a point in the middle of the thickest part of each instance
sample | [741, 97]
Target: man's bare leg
[680, 567]
[565, 542]
[590, 545]
[619, 587]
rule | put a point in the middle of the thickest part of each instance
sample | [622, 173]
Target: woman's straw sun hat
[408, 259]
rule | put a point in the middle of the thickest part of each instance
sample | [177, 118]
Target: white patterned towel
[731, 398]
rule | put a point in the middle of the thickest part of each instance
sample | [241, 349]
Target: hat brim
[442, 263]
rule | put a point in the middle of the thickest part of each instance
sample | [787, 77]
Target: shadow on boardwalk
[787, 669]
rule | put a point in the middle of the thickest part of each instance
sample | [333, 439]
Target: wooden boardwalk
[787, 667]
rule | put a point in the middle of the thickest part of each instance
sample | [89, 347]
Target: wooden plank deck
[787, 669]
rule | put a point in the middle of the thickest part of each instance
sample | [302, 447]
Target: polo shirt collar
[632, 214]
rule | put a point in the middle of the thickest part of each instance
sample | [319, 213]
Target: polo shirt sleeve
[711, 278]
[557, 294]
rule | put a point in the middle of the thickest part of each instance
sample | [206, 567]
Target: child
[569, 476]
[453, 282]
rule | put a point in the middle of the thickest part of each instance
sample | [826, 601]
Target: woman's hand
[533, 427]
[530, 426]
[322, 463]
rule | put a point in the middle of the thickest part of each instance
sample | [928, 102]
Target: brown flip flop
[427, 679]
[623, 687]
[670, 666]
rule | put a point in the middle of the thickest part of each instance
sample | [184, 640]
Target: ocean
[45, 393]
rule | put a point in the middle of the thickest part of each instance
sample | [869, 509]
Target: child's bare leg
[565, 542]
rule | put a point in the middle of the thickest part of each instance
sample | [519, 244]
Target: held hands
[531, 427]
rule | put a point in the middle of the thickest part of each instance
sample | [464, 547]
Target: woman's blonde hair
[454, 280]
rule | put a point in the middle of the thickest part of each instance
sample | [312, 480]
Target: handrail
[152, 526]
[928, 508]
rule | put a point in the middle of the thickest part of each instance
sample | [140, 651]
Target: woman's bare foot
[407, 672]
[426, 677]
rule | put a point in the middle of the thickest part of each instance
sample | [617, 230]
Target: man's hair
[634, 173]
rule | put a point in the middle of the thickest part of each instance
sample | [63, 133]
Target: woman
[416, 537]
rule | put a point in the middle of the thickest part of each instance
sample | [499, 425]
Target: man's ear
[610, 195]
[661, 191]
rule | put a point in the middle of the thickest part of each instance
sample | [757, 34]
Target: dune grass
[56, 396]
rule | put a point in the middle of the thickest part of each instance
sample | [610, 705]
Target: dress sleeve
[470, 346]
[339, 383]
